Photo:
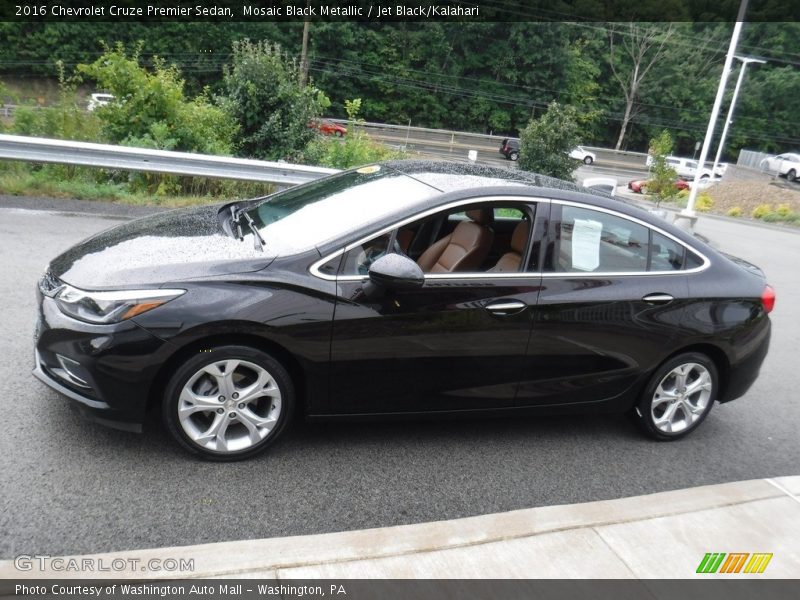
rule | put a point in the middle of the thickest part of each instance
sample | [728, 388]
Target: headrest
[520, 236]
[482, 216]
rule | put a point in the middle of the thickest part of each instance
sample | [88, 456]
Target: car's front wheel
[513, 156]
[228, 402]
[791, 175]
[587, 160]
[678, 397]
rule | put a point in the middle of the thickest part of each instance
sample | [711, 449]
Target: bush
[354, 150]
[735, 211]
[761, 210]
[264, 94]
[784, 210]
[662, 176]
[546, 142]
[703, 202]
[150, 110]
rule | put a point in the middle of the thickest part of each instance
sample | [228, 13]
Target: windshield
[310, 215]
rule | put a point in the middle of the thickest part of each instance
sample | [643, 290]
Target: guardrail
[43, 150]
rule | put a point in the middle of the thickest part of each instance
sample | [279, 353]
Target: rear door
[613, 295]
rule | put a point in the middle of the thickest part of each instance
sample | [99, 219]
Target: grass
[70, 182]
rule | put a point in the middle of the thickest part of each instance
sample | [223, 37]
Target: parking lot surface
[71, 486]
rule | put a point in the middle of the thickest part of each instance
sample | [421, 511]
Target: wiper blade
[236, 227]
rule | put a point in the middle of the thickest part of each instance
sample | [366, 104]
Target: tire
[587, 160]
[201, 402]
[338, 133]
[513, 156]
[651, 412]
[791, 175]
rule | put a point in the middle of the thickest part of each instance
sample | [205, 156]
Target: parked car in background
[784, 165]
[329, 128]
[686, 168]
[98, 100]
[639, 186]
[601, 184]
[582, 154]
[465, 290]
[509, 148]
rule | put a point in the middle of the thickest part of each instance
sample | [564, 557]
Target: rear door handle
[506, 307]
[658, 298]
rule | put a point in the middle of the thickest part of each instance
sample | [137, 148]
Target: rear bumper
[744, 373]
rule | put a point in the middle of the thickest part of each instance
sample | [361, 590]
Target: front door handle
[658, 298]
[503, 308]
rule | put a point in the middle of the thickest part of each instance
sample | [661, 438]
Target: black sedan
[403, 288]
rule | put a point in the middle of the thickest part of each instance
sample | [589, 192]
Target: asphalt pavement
[71, 486]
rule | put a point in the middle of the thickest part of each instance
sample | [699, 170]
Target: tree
[662, 176]
[264, 94]
[642, 47]
[546, 142]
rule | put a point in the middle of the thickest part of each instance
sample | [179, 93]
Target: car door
[612, 298]
[456, 343]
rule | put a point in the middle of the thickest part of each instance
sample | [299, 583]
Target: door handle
[658, 298]
[506, 307]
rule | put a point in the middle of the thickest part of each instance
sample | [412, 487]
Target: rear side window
[594, 241]
[666, 254]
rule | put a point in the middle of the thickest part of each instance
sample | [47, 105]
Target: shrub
[784, 210]
[150, 109]
[735, 211]
[662, 176]
[703, 202]
[761, 210]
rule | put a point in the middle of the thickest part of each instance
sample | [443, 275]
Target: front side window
[481, 238]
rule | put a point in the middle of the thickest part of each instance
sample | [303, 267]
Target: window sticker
[586, 244]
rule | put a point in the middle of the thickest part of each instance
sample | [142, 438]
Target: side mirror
[395, 271]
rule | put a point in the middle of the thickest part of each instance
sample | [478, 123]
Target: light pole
[687, 216]
[746, 60]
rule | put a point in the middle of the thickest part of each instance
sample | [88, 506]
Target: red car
[640, 185]
[328, 128]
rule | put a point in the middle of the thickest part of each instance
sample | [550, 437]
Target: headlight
[111, 307]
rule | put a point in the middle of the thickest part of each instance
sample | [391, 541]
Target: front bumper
[107, 370]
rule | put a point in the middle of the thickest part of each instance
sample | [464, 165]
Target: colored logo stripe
[713, 562]
[758, 563]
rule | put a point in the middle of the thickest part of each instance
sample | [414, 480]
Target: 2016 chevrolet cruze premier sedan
[399, 288]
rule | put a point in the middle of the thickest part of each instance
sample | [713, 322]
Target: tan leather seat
[463, 250]
[510, 261]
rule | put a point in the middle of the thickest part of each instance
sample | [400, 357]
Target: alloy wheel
[681, 397]
[229, 405]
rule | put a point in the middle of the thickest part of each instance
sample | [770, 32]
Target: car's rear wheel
[678, 397]
[587, 160]
[228, 402]
[513, 156]
[338, 133]
[791, 175]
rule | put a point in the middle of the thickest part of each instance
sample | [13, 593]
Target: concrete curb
[663, 535]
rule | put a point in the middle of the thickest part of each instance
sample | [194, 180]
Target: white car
[787, 165]
[582, 154]
[98, 100]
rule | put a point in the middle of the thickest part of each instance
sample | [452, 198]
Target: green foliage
[354, 150]
[546, 142]
[703, 202]
[264, 95]
[151, 110]
[735, 211]
[662, 177]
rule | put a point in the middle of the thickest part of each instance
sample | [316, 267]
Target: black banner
[456, 589]
[377, 11]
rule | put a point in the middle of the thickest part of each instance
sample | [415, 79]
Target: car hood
[166, 247]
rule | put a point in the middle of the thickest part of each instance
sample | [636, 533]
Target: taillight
[768, 298]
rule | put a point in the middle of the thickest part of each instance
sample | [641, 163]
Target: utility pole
[304, 49]
[687, 216]
[745, 61]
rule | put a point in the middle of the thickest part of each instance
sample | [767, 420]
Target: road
[71, 486]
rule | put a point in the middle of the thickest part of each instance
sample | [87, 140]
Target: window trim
[706, 263]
